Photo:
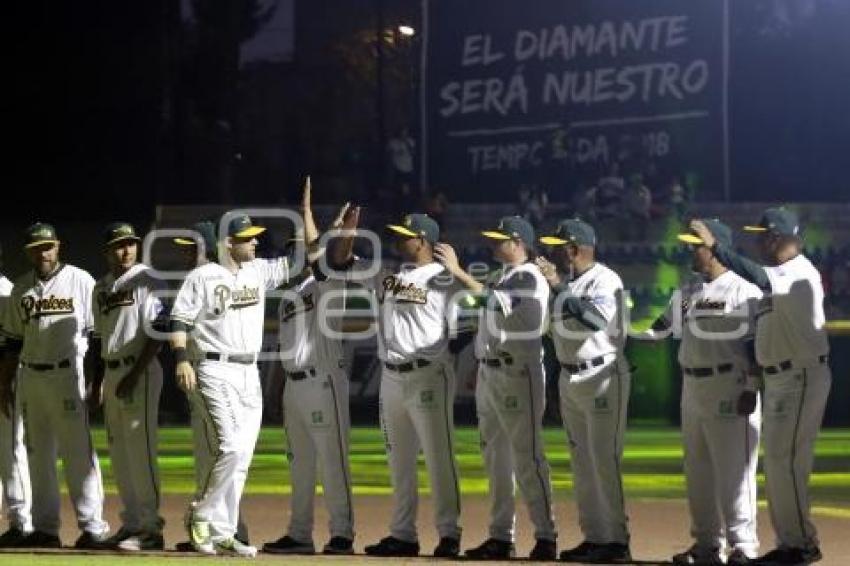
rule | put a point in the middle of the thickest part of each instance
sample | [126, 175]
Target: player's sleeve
[275, 272]
[595, 311]
[153, 305]
[87, 284]
[97, 318]
[12, 325]
[746, 268]
[188, 303]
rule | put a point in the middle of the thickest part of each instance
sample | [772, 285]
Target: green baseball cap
[241, 226]
[721, 232]
[206, 231]
[571, 231]
[512, 228]
[118, 231]
[40, 233]
[778, 220]
[417, 226]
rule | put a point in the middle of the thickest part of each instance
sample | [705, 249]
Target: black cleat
[544, 550]
[609, 553]
[93, 541]
[184, 546]
[391, 546]
[492, 549]
[339, 545]
[449, 547]
[13, 538]
[288, 545]
[39, 539]
[786, 556]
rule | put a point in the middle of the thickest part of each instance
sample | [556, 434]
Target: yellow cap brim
[690, 239]
[553, 241]
[493, 235]
[755, 229]
[184, 242]
[134, 238]
[250, 232]
[402, 230]
[40, 243]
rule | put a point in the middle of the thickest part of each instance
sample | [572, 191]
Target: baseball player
[594, 386]
[510, 392]
[720, 417]
[47, 326]
[199, 250]
[14, 468]
[127, 307]
[415, 308]
[221, 305]
[792, 349]
[315, 404]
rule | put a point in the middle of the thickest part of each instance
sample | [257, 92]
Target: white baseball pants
[14, 471]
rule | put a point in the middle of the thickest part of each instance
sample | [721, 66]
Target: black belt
[585, 365]
[299, 375]
[786, 365]
[66, 363]
[246, 359]
[498, 362]
[117, 363]
[708, 371]
[407, 366]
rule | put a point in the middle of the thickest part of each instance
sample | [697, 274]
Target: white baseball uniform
[721, 447]
[53, 318]
[225, 312]
[14, 467]
[315, 406]
[124, 310]
[415, 308]
[792, 348]
[594, 389]
[510, 399]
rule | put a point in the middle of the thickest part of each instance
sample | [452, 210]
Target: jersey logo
[47, 306]
[290, 308]
[709, 305]
[404, 292]
[107, 301]
[225, 298]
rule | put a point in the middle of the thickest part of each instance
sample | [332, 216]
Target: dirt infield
[659, 528]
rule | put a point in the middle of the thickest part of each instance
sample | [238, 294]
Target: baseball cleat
[142, 542]
[339, 545]
[39, 539]
[698, 556]
[544, 550]
[602, 553]
[449, 547]
[184, 546]
[786, 556]
[288, 545]
[122, 534]
[93, 541]
[232, 547]
[199, 536]
[13, 538]
[738, 558]
[492, 549]
[391, 546]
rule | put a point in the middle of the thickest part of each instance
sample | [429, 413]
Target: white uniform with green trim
[14, 467]
[791, 339]
[226, 312]
[594, 403]
[315, 406]
[125, 311]
[510, 399]
[53, 319]
[721, 447]
[415, 308]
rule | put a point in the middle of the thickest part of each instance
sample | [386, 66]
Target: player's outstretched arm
[341, 249]
[746, 268]
[445, 254]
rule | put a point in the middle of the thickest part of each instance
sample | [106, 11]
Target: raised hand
[699, 228]
[548, 269]
[445, 254]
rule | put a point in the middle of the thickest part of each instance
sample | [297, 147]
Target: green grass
[652, 465]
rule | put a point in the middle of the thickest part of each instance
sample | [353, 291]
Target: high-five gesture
[311, 232]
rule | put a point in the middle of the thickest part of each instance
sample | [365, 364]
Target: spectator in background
[677, 198]
[401, 151]
[584, 201]
[636, 204]
[436, 206]
[609, 193]
[533, 203]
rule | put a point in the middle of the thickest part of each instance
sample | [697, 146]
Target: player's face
[768, 244]
[44, 258]
[408, 248]
[243, 249]
[122, 255]
[701, 259]
[505, 251]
